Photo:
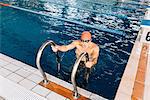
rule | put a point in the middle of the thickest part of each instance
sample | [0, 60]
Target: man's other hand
[54, 48]
[89, 64]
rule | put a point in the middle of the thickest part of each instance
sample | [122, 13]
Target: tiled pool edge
[147, 79]
[129, 77]
[124, 91]
[127, 84]
[12, 91]
[83, 92]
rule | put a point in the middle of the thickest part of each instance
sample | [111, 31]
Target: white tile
[35, 78]
[12, 67]
[7, 58]
[14, 77]
[29, 68]
[54, 79]
[123, 96]
[2, 56]
[126, 86]
[1, 66]
[23, 73]
[96, 97]
[3, 62]
[147, 77]
[12, 91]
[146, 93]
[38, 73]
[84, 92]
[55, 96]
[27, 84]
[18, 63]
[12, 60]
[41, 90]
[4, 72]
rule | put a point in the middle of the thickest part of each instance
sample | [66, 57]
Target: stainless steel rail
[38, 58]
[75, 67]
[73, 74]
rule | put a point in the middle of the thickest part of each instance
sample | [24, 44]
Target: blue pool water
[114, 27]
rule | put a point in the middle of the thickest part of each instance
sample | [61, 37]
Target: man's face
[85, 42]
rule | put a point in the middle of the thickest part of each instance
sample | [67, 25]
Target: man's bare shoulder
[76, 42]
[95, 46]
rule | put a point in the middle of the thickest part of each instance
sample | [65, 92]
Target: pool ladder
[38, 58]
[74, 71]
[75, 67]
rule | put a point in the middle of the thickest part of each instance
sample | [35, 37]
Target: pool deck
[22, 76]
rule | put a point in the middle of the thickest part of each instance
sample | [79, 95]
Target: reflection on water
[110, 17]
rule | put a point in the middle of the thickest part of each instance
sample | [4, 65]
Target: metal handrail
[73, 74]
[38, 58]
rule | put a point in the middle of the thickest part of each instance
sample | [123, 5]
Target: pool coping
[11, 61]
[17, 92]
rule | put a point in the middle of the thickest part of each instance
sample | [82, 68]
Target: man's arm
[94, 59]
[65, 48]
[95, 55]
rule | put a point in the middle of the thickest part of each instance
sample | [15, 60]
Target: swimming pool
[22, 33]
